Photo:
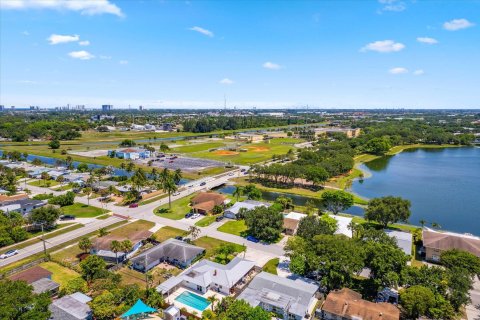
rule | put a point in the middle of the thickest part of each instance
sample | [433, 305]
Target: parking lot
[183, 163]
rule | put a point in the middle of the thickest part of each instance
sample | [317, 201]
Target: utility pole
[43, 240]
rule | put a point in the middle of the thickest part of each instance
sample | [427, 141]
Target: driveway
[473, 309]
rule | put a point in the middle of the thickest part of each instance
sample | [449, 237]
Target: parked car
[133, 205]
[179, 238]
[243, 170]
[67, 217]
[188, 215]
[219, 218]
[176, 193]
[195, 215]
[231, 174]
[253, 239]
[187, 240]
[203, 183]
[9, 253]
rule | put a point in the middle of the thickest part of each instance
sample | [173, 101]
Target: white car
[195, 216]
[9, 253]
[231, 174]
[176, 194]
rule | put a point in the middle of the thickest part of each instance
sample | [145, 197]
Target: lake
[442, 184]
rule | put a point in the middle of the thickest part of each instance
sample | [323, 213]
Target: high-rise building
[2, 107]
[107, 107]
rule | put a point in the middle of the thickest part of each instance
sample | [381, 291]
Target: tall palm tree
[127, 246]
[130, 167]
[177, 176]
[238, 192]
[423, 222]
[116, 247]
[164, 175]
[88, 192]
[212, 300]
[45, 176]
[170, 187]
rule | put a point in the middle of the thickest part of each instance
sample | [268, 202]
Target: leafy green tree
[311, 226]
[416, 301]
[82, 167]
[252, 192]
[336, 200]
[54, 144]
[93, 267]
[264, 223]
[104, 306]
[153, 298]
[217, 209]
[334, 258]
[18, 302]
[63, 200]
[285, 202]
[459, 286]
[127, 143]
[388, 210]
[386, 262]
[378, 146]
[163, 147]
[47, 215]
[75, 285]
[85, 244]
[37, 162]
[461, 259]
[240, 309]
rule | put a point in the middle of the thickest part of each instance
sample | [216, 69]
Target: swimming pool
[193, 300]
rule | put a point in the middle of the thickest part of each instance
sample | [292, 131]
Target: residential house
[346, 304]
[291, 222]
[208, 275]
[131, 153]
[71, 307]
[204, 202]
[79, 178]
[404, 240]
[39, 278]
[102, 245]
[103, 185]
[23, 206]
[234, 210]
[343, 224]
[4, 199]
[173, 251]
[436, 242]
[288, 299]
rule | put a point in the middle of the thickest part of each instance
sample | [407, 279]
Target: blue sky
[338, 54]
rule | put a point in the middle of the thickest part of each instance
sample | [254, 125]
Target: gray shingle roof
[293, 296]
[69, 308]
[172, 248]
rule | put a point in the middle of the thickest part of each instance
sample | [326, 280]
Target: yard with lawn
[178, 211]
[132, 227]
[80, 210]
[169, 232]
[43, 183]
[197, 147]
[60, 274]
[271, 266]
[206, 221]
[211, 244]
[236, 227]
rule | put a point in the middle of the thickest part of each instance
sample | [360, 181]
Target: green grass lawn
[179, 209]
[169, 232]
[43, 184]
[133, 227]
[196, 147]
[81, 210]
[206, 221]
[63, 188]
[236, 227]
[60, 274]
[271, 266]
[211, 244]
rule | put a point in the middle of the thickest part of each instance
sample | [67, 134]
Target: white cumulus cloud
[418, 72]
[427, 40]
[398, 70]
[203, 31]
[457, 24]
[392, 5]
[82, 55]
[59, 38]
[86, 7]
[383, 46]
[271, 66]
[226, 81]
[84, 43]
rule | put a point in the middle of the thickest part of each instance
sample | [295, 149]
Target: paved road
[257, 251]
[473, 309]
[58, 240]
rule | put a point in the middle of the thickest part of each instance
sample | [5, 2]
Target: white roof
[343, 223]
[83, 298]
[404, 239]
[172, 310]
[295, 215]
[248, 204]
[206, 272]
[10, 207]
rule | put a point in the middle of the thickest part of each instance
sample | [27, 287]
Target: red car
[133, 205]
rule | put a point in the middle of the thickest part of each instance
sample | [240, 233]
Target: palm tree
[238, 192]
[85, 244]
[130, 167]
[88, 192]
[423, 223]
[436, 225]
[194, 231]
[177, 176]
[122, 165]
[116, 247]
[212, 300]
[170, 187]
[164, 175]
[127, 246]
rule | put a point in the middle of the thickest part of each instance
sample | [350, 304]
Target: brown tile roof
[31, 275]
[349, 305]
[446, 241]
[103, 243]
[291, 224]
[217, 198]
[6, 199]
[129, 150]
[205, 206]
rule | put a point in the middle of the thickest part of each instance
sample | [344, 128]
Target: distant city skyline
[264, 54]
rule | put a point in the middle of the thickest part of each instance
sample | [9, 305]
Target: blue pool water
[193, 300]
